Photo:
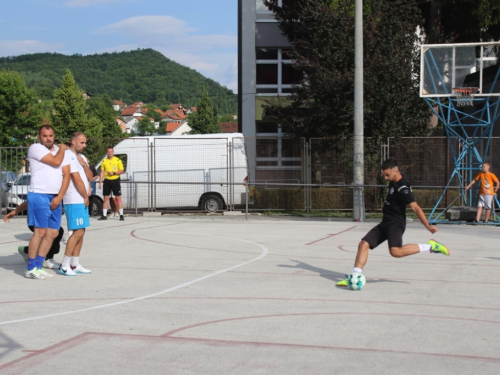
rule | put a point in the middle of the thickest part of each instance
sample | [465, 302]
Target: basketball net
[465, 95]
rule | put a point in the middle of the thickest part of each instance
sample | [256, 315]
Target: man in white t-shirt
[49, 181]
[76, 201]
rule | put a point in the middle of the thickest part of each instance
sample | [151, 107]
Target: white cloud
[88, 3]
[23, 47]
[214, 56]
[145, 27]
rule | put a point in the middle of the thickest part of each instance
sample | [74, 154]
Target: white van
[198, 168]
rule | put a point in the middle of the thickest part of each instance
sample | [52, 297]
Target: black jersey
[399, 195]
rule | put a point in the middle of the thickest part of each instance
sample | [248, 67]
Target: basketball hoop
[465, 95]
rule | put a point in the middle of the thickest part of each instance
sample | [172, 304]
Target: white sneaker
[44, 273]
[80, 269]
[33, 274]
[66, 271]
[49, 263]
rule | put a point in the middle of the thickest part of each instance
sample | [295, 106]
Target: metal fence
[286, 174]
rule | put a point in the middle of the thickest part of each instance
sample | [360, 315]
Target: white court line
[264, 249]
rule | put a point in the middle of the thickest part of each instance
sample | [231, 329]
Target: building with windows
[265, 71]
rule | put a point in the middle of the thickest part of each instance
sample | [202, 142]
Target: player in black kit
[393, 225]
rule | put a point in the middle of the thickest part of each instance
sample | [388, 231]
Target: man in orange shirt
[487, 191]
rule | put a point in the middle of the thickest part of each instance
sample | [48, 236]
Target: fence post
[308, 177]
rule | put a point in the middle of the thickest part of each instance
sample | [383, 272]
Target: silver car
[18, 191]
[8, 177]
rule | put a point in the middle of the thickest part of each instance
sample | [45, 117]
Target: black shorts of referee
[111, 186]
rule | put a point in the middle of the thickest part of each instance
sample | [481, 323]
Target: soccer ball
[356, 281]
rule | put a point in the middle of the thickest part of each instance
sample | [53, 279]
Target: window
[275, 74]
[273, 151]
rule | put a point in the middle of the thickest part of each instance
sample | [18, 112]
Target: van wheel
[212, 203]
[96, 207]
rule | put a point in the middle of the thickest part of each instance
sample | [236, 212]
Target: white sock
[120, 211]
[75, 261]
[65, 261]
[357, 270]
[104, 211]
[424, 247]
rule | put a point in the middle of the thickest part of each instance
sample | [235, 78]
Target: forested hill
[141, 75]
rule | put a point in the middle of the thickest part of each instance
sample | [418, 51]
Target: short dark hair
[75, 135]
[109, 147]
[389, 164]
[47, 127]
[487, 163]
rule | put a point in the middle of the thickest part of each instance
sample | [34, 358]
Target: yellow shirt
[113, 165]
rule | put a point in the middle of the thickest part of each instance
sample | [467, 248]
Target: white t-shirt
[72, 195]
[45, 179]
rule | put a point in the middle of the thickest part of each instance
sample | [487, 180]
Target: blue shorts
[39, 213]
[77, 216]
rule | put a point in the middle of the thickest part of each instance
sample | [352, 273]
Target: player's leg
[38, 218]
[488, 201]
[480, 205]
[398, 250]
[75, 259]
[370, 241]
[74, 219]
[117, 191]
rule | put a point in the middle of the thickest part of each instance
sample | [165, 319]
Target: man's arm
[86, 168]
[471, 183]
[421, 216]
[57, 159]
[80, 187]
[101, 177]
[22, 207]
[56, 201]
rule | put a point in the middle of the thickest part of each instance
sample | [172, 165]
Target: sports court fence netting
[295, 174]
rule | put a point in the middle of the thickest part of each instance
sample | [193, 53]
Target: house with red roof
[118, 105]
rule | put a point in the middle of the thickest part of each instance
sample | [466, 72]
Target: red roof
[117, 102]
[229, 127]
[130, 110]
[171, 126]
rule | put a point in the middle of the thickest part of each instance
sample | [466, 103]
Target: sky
[200, 34]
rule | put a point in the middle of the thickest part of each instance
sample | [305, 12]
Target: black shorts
[112, 186]
[390, 231]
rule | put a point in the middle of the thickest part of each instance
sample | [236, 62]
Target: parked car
[8, 177]
[18, 191]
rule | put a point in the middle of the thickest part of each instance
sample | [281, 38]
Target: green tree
[101, 107]
[153, 114]
[145, 126]
[19, 115]
[204, 120]
[323, 40]
[461, 21]
[140, 75]
[70, 111]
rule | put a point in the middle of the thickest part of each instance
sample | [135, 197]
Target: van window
[123, 158]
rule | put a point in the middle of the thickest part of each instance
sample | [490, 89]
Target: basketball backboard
[448, 66]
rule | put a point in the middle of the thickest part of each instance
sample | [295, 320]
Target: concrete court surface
[225, 295]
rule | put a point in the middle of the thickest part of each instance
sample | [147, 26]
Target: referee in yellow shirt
[111, 169]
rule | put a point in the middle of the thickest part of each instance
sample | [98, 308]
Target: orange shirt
[487, 180]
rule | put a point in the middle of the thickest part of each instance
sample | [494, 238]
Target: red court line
[331, 235]
[267, 299]
[186, 246]
[76, 341]
[175, 331]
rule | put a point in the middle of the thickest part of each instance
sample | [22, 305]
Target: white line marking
[265, 251]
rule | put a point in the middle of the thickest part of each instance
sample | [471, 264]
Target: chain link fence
[286, 174]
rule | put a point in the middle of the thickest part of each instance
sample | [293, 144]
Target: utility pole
[358, 172]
